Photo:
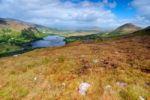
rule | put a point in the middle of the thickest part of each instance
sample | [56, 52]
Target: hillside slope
[118, 69]
[14, 24]
[15, 35]
[127, 28]
[122, 30]
[145, 31]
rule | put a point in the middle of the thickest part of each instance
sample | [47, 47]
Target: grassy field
[117, 69]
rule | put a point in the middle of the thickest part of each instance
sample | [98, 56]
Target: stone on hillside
[63, 84]
[121, 84]
[82, 56]
[107, 88]
[15, 55]
[35, 78]
[141, 98]
[95, 61]
[83, 88]
[116, 52]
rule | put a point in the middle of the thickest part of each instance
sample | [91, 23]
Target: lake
[49, 41]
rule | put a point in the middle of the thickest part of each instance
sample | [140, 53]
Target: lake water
[49, 41]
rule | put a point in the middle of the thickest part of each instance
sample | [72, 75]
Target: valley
[75, 65]
[74, 49]
[17, 36]
[116, 69]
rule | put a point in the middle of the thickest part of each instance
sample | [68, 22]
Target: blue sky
[78, 13]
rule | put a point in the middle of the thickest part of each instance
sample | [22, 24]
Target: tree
[28, 34]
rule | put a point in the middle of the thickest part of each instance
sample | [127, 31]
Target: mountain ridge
[124, 29]
[18, 25]
[127, 28]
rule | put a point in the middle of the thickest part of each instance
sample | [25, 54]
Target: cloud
[143, 12]
[63, 13]
[143, 7]
[56, 12]
[109, 4]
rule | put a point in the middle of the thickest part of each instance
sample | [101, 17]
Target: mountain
[147, 28]
[122, 30]
[14, 24]
[18, 25]
[127, 28]
[145, 31]
[16, 34]
[85, 29]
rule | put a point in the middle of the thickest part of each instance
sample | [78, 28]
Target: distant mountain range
[18, 25]
[14, 24]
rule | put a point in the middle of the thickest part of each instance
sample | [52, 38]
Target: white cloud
[55, 12]
[62, 14]
[143, 7]
[143, 10]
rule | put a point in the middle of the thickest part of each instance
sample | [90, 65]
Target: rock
[56, 59]
[141, 98]
[63, 84]
[15, 55]
[82, 56]
[121, 84]
[107, 88]
[35, 78]
[95, 61]
[116, 52]
[83, 88]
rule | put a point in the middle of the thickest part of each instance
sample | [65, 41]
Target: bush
[28, 34]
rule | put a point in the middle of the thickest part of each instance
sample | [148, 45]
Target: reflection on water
[49, 41]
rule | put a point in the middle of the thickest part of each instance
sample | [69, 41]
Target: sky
[69, 14]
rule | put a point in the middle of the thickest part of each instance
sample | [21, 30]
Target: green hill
[117, 69]
[122, 30]
[15, 35]
[145, 31]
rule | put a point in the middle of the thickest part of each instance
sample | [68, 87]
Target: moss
[133, 92]
[61, 59]
[45, 61]
[13, 92]
[22, 91]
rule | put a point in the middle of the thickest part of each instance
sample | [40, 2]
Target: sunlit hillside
[74, 49]
[116, 69]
